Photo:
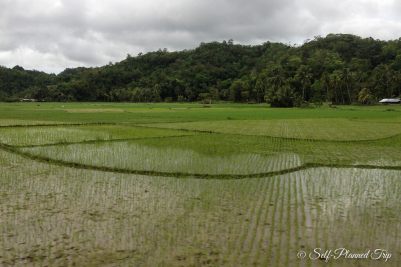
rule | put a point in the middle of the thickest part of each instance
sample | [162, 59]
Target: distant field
[150, 113]
[103, 184]
[315, 129]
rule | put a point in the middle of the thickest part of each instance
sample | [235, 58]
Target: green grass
[70, 194]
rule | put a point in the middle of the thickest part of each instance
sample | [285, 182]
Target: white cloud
[51, 35]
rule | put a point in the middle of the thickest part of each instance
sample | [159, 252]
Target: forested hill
[339, 68]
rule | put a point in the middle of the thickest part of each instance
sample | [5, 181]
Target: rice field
[31, 136]
[315, 129]
[131, 156]
[184, 185]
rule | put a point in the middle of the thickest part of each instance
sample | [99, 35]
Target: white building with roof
[390, 101]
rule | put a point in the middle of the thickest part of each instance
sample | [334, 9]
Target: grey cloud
[54, 34]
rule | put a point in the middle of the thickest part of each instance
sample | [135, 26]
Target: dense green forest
[338, 68]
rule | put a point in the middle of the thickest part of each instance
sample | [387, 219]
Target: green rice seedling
[215, 154]
[69, 134]
[334, 190]
[51, 215]
[317, 129]
[133, 156]
[180, 112]
[17, 122]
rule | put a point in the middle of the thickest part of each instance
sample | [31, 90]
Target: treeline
[339, 68]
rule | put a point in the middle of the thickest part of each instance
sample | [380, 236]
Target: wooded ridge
[338, 68]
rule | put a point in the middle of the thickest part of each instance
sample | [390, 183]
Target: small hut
[390, 101]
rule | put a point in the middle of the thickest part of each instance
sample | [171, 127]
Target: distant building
[390, 101]
[27, 100]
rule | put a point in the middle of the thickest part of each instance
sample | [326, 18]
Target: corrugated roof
[390, 100]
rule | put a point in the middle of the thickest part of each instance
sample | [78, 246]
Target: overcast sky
[51, 35]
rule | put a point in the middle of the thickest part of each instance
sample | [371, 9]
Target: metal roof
[390, 100]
